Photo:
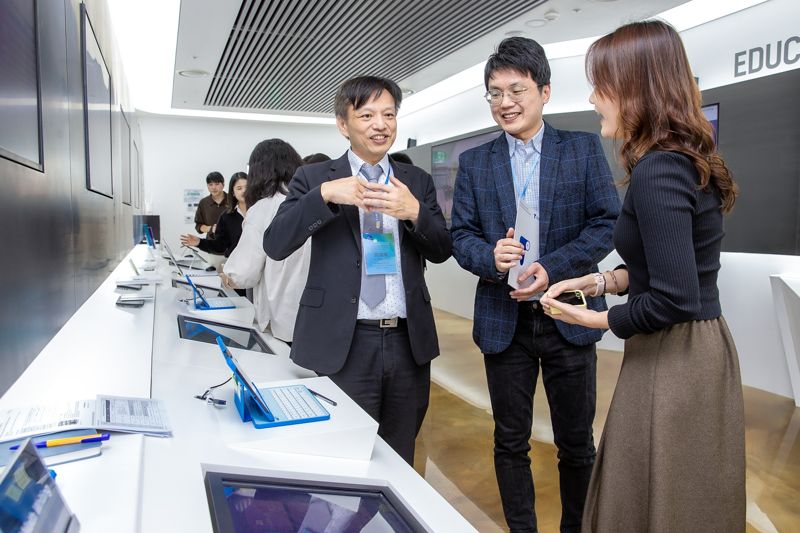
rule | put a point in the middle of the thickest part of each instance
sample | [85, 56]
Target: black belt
[383, 322]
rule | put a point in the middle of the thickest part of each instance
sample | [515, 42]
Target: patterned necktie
[373, 288]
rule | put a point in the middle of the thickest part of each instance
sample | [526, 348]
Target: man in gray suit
[365, 317]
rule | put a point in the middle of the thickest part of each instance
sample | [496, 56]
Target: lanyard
[529, 178]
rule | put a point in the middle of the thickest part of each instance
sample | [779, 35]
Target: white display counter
[786, 295]
[157, 484]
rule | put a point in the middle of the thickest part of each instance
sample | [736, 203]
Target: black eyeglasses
[515, 93]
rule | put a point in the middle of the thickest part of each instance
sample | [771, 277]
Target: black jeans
[568, 373]
[381, 376]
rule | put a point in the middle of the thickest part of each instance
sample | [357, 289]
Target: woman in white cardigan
[277, 285]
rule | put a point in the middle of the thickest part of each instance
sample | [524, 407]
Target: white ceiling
[205, 26]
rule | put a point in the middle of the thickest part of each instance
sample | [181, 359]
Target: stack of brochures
[109, 413]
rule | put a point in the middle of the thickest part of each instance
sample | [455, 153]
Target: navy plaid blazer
[578, 207]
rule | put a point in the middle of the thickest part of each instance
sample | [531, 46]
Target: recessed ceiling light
[514, 33]
[408, 92]
[535, 23]
[192, 73]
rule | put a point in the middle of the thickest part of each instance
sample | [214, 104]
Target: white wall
[744, 285]
[181, 151]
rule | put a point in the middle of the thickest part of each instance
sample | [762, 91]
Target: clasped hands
[507, 254]
[395, 200]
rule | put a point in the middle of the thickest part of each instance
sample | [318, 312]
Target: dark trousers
[381, 376]
[568, 373]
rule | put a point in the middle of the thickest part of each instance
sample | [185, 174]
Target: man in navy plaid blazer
[561, 180]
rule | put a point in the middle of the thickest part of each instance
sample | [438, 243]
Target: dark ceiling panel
[291, 56]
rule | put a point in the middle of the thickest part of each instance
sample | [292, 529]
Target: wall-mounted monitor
[444, 167]
[135, 177]
[125, 155]
[711, 112]
[97, 100]
[20, 102]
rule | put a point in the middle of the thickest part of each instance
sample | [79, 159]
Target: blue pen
[80, 439]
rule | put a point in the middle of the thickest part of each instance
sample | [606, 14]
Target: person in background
[672, 454]
[277, 285]
[558, 185]
[400, 157]
[229, 225]
[210, 208]
[365, 318]
[315, 158]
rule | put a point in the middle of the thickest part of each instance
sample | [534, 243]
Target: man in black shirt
[212, 206]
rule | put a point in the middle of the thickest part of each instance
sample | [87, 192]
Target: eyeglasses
[515, 94]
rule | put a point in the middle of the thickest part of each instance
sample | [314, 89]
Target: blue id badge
[379, 254]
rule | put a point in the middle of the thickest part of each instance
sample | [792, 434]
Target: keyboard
[295, 402]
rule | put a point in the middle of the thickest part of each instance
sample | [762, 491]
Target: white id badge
[526, 232]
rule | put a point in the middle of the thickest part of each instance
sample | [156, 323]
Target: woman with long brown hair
[672, 453]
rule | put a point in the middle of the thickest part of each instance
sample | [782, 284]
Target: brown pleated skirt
[672, 457]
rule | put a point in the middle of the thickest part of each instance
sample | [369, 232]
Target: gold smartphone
[569, 297]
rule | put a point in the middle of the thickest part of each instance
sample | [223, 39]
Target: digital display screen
[244, 504]
[30, 502]
[97, 105]
[19, 86]
[197, 329]
[444, 167]
[125, 148]
[711, 112]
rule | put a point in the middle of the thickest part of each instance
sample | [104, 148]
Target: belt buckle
[388, 322]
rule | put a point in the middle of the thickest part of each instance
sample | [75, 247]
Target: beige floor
[454, 448]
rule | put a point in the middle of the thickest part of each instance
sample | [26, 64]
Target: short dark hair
[315, 158]
[400, 157]
[358, 91]
[232, 201]
[524, 55]
[214, 177]
[271, 167]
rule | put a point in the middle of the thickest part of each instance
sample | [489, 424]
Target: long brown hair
[644, 69]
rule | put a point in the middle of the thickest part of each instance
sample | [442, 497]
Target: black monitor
[240, 503]
[202, 330]
[711, 112]
[444, 167]
[153, 221]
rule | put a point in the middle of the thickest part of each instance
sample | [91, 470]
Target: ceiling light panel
[292, 56]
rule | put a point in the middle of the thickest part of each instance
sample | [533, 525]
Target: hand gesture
[507, 252]
[572, 314]
[190, 240]
[396, 201]
[540, 282]
[344, 191]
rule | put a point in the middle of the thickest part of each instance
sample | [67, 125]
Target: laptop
[29, 497]
[277, 406]
[207, 304]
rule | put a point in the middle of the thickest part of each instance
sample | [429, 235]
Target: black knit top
[669, 234]
[226, 237]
